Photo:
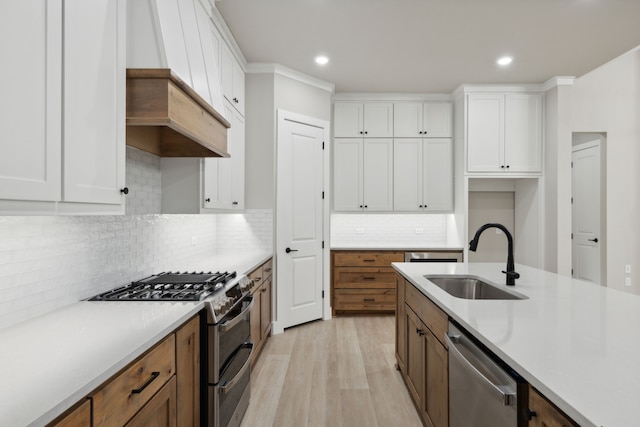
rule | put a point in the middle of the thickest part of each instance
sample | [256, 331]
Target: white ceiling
[432, 46]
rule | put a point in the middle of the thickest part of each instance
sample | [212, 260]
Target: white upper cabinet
[224, 178]
[72, 149]
[94, 101]
[423, 174]
[232, 79]
[370, 120]
[31, 108]
[427, 120]
[363, 174]
[504, 133]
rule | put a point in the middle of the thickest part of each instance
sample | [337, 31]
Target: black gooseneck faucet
[512, 275]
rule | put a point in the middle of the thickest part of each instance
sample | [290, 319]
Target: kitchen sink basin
[471, 287]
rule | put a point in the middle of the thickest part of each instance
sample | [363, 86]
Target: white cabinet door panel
[523, 132]
[211, 52]
[407, 120]
[438, 174]
[378, 120]
[378, 174]
[348, 120]
[94, 101]
[437, 120]
[347, 174]
[31, 46]
[407, 174]
[485, 137]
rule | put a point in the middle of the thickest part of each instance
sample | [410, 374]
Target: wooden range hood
[168, 118]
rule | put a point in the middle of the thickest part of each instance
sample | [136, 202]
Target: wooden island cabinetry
[363, 281]
[422, 354]
[543, 413]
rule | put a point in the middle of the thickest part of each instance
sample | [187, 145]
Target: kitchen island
[573, 341]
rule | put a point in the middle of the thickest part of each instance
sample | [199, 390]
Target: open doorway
[588, 207]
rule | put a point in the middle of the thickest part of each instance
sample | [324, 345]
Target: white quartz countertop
[49, 363]
[382, 246]
[574, 341]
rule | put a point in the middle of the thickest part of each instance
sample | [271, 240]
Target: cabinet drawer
[435, 319]
[353, 277]
[120, 399]
[267, 268]
[256, 277]
[367, 258]
[365, 299]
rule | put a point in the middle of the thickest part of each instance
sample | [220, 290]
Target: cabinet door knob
[234, 203]
[360, 205]
[124, 190]
[507, 166]
[366, 133]
[365, 206]
[420, 206]
[502, 166]
[361, 132]
[207, 200]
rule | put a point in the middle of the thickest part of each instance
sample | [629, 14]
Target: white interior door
[587, 237]
[299, 222]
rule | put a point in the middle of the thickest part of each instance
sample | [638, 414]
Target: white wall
[608, 100]
[489, 207]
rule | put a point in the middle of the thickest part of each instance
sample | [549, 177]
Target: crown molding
[391, 97]
[558, 81]
[281, 70]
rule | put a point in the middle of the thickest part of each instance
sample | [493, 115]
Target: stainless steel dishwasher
[481, 392]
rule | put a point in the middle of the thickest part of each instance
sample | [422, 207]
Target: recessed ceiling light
[505, 60]
[321, 60]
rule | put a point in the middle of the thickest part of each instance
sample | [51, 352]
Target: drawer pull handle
[153, 376]
[368, 278]
[267, 270]
[369, 260]
[263, 290]
[257, 279]
[369, 299]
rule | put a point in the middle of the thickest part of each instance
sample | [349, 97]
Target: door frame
[281, 116]
[594, 140]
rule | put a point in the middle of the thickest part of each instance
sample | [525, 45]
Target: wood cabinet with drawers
[159, 388]
[363, 281]
[261, 289]
[543, 413]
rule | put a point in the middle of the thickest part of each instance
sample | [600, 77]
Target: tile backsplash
[47, 262]
[397, 229]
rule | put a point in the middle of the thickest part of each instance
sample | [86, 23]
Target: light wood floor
[338, 373]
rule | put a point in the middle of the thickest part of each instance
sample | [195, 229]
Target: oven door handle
[226, 388]
[233, 322]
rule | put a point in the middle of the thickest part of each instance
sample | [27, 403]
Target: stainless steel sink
[471, 287]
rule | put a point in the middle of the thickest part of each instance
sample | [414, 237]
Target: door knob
[289, 250]
[593, 240]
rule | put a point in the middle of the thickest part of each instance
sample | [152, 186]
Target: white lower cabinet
[194, 186]
[423, 175]
[63, 115]
[363, 174]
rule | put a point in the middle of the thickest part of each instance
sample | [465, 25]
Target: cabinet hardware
[207, 200]
[263, 290]
[153, 376]
[369, 260]
[361, 132]
[368, 278]
[369, 299]
[531, 414]
[234, 203]
[420, 331]
[366, 133]
[125, 190]
[257, 279]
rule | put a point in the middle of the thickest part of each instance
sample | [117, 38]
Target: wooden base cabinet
[161, 388]
[544, 414]
[363, 281]
[261, 291]
[421, 354]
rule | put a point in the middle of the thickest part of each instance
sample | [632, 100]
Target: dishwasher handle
[504, 393]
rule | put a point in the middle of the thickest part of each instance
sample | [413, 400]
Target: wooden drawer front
[350, 277]
[116, 403]
[267, 268]
[435, 319]
[365, 299]
[367, 258]
[256, 277]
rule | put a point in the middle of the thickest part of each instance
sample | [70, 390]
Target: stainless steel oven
[228, 359]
